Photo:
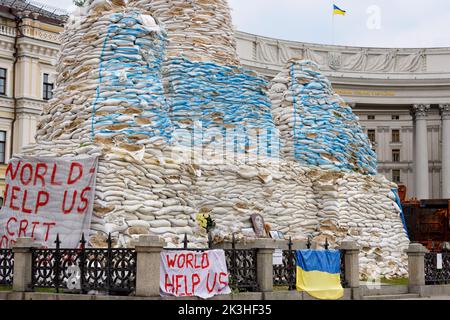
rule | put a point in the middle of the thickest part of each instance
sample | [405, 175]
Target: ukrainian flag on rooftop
[337, 10]
[319, 273]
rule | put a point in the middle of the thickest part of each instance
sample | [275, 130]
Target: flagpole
[332, 26]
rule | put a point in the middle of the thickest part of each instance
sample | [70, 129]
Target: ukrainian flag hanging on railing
[319, 273]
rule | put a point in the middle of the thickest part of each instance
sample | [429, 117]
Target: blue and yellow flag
[337, 10]
[319, 273]
[402, 214]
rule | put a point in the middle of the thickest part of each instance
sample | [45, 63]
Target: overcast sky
[379, 23]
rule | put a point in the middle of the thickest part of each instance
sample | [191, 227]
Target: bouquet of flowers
[79, 3]
[205, 221]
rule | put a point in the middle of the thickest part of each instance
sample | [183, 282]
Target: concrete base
[257, 296]
[362, 293]
[384, 290]
[431, 291]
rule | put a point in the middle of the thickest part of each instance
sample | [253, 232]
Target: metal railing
[113, 270]
[433, 274]
[286, 274]
[241, 265]
[6, 267]
[109, 270]
[37, 7]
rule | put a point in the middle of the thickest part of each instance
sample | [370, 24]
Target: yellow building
[29, 44]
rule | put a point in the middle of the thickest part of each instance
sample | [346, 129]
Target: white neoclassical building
[29, 46]
[401, 95]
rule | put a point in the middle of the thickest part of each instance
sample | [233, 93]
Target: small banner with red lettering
[192, 273]
[48, 196]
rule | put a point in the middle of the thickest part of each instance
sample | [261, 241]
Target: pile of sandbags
[316, 126]
[308, 202]
[197, 30]
[109, 102]
[109, 80]
[135, 197]
[130, 98]
[225, 102]
[363, 209]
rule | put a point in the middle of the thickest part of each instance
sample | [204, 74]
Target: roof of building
[46, 12]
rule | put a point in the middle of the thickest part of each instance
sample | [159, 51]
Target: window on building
[370, 117]
[396, 155]
[395, 117]
[2, 81]
[396, 176]
[371, 135]
[396, 136]
[48, 88]
[2, 146]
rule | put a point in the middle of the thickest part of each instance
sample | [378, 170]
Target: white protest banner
[439, 262]
[278, 257]
[192, 273]
[48, 196]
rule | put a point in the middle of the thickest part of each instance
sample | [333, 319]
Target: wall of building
[379, 82]
[384, 125]
[36, 45]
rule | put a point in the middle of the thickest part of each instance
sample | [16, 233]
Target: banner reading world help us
[48, 196]
[192, 273]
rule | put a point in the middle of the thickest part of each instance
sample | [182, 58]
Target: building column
[445, 112]
[422, 177]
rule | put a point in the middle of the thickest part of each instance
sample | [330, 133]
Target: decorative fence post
[264, 263]
[22, 264]
[416, 266]
[351, 262]
[148, 251]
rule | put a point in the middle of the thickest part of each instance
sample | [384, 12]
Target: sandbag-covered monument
[155, 89]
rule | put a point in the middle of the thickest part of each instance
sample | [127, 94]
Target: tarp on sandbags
[317, 127]
[223, 104]
[130, 97]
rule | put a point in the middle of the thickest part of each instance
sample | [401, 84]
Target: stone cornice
[445, 111]
[383, 129]
[260, 52]
[435, 127]
[6, 102]
[32, 31]
[420, 111]
[408, 128]
[30, 106]
[35, 48]
[6, 44]
[24, 105]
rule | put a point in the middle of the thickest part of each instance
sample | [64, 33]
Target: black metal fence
[241, 265]
[113, 271]
[6, 267]
[433, 274]
[286, 274]
[109, 270]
